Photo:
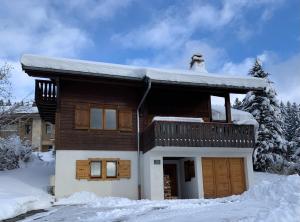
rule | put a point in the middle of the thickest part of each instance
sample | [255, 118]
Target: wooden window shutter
[124, 168]
[82, 169]
[125, 120]
[82, 116]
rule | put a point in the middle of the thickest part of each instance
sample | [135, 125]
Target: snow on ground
[274, 198]
[25, 189]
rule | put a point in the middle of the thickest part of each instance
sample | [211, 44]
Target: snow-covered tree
[284, 116]
[13, 151]
[291, 121]
[270, 149]
[237, 103]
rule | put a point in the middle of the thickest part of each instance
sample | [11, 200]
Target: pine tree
[284, 116]
[292, 120]
[270, 148]
[257, 71]
[237, 103]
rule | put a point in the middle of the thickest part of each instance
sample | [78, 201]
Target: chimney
[197, 64]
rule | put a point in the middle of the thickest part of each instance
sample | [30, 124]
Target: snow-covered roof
[170, 76]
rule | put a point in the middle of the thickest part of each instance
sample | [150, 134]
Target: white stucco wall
[152, 182]
[66, 182]
[189, 188]
[36, 139]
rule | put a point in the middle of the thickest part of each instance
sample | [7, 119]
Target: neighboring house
[30, 127]
[142, 132]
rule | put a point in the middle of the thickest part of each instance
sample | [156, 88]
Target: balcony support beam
[228, 108]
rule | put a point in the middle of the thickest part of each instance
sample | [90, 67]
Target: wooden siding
[74, 93]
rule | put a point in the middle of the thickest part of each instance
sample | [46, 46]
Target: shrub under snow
[13, 151]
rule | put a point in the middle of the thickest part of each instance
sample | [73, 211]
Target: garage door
[223, 176]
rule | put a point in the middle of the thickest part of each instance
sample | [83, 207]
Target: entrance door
[223, 176]
[171, 171]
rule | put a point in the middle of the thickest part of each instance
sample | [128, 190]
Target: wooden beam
[228, 108]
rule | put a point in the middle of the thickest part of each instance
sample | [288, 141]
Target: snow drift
[274, 198]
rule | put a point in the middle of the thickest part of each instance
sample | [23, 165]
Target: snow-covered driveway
[274, 198]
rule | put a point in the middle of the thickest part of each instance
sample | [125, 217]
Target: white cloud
[181, 58]
[94, 9]
[176, 26]
[284, 73]
[29, 27]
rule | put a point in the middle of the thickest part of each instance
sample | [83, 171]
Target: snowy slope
[25, 189]
[274, 198]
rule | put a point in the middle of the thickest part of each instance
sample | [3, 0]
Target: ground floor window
[96, 169]
[111, 168]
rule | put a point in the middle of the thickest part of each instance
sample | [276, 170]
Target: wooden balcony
[45, 98]
[187, 134]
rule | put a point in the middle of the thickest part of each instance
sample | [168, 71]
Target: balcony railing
[45, 91]
[187, 134]
[45, 98]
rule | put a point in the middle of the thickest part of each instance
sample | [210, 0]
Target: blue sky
[229, 33]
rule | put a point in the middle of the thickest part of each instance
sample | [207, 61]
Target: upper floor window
[98, 117]
[110, 119]
[48, 128]
[96, 120]
[103, 118]
[218, 109]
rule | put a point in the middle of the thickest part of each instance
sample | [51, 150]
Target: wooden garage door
[223, 176]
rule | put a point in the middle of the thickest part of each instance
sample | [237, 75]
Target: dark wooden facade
[116, 96]
[163, 100]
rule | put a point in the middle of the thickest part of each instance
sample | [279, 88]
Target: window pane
[111, 168]
[48, 129]
[96, 169]
[110, 119]
[218, 109]
[96, 118]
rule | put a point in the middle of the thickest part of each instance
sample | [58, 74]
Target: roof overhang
[46, 67]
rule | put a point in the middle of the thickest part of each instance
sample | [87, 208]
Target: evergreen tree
[284, 116]
[292, 121]
[237, 104]
[270, 149]
[257, 71]
[295, 146]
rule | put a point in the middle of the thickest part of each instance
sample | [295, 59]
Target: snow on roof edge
[82, 67]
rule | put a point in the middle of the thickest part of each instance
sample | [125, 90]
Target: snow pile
[25, 189]
[93, 200]
[177, 119]
[274, 198]
[45, 156]
[279, 193]
[238, 117]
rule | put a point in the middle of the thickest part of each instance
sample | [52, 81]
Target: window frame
[117, 170]
[101, 170]
[216, 120]
[51, 128]
[101, 108]
[104, 108]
